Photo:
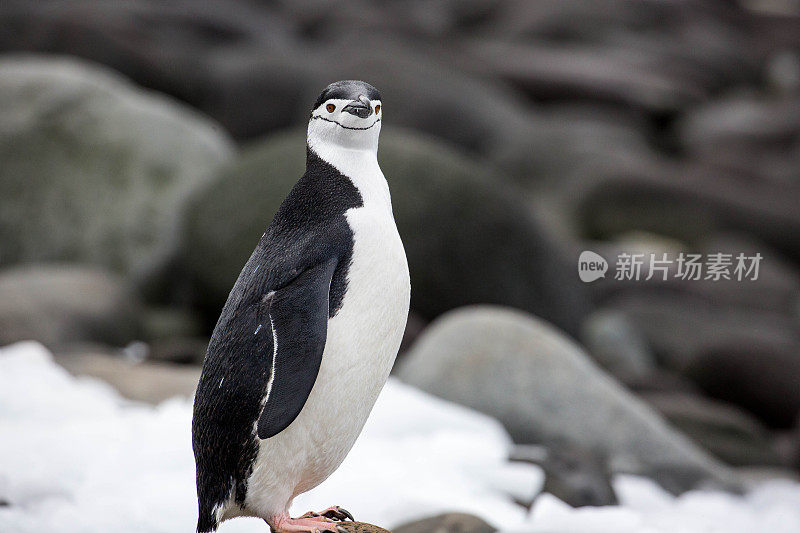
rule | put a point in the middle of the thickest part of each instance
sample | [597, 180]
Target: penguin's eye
[377, 109]
[331, 108]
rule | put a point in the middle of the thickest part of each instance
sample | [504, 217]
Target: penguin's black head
[353, 90]
[347, 113]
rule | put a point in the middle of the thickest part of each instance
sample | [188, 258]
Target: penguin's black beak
[360, 107]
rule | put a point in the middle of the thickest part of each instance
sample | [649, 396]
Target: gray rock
[93, 169]
[729, 433]
[739, 120]
[150, 382]
[747, 136]
[468, 236]
[58, 305]
[447, 523]
[544, 388]
[617, 344]
[573, 474]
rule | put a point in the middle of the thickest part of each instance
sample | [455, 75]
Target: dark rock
[181, 350]
[707, 41]
[480, 245]
[200, 52]
[776, 289]
[96, 169]
[621, 76]
[562, 145]
[660, 380]
[544, 388]
[679, 327]
[689, 203]
[730, 434]
[420, 20]
[59, 305]
[247, 97]
[574, 475]
[447, 523]
[762, 377]
[170, 322]
[422, 89]
[783, 72]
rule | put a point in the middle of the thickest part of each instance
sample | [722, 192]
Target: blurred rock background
[145, 145]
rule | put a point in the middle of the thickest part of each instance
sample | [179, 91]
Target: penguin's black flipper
[298, 317]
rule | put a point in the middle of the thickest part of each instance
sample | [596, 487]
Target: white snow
[76, 457]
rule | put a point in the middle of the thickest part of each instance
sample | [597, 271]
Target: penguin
[310, 330]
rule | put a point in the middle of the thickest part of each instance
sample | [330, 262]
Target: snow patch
[76, 457]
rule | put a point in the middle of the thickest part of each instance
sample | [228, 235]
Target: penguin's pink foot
[334, 512]
[304, 524]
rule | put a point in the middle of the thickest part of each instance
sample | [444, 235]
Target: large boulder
[217, 54]
[95, 170]
[544, 388]
[62, 304]
[762, 376]
[468, 238]
[729, 433]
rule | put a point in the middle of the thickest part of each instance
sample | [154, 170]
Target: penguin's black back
[309, 228]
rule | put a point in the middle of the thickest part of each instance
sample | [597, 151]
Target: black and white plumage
[310, 330]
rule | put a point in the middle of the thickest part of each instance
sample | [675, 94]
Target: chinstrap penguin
[310, 330]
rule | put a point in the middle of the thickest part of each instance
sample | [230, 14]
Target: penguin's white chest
[362, 342]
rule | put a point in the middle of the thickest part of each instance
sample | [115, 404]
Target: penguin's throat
[361, 167]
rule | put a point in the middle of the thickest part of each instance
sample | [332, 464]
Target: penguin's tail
[207, 520]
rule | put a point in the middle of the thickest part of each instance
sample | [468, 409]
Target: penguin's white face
[348, 115]
[354, 124]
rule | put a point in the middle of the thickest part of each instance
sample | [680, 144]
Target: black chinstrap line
[314, 117]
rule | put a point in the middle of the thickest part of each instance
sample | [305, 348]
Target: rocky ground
[145, 145]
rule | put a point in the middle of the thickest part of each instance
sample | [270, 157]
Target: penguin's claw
[333, 514]
[338, 513]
